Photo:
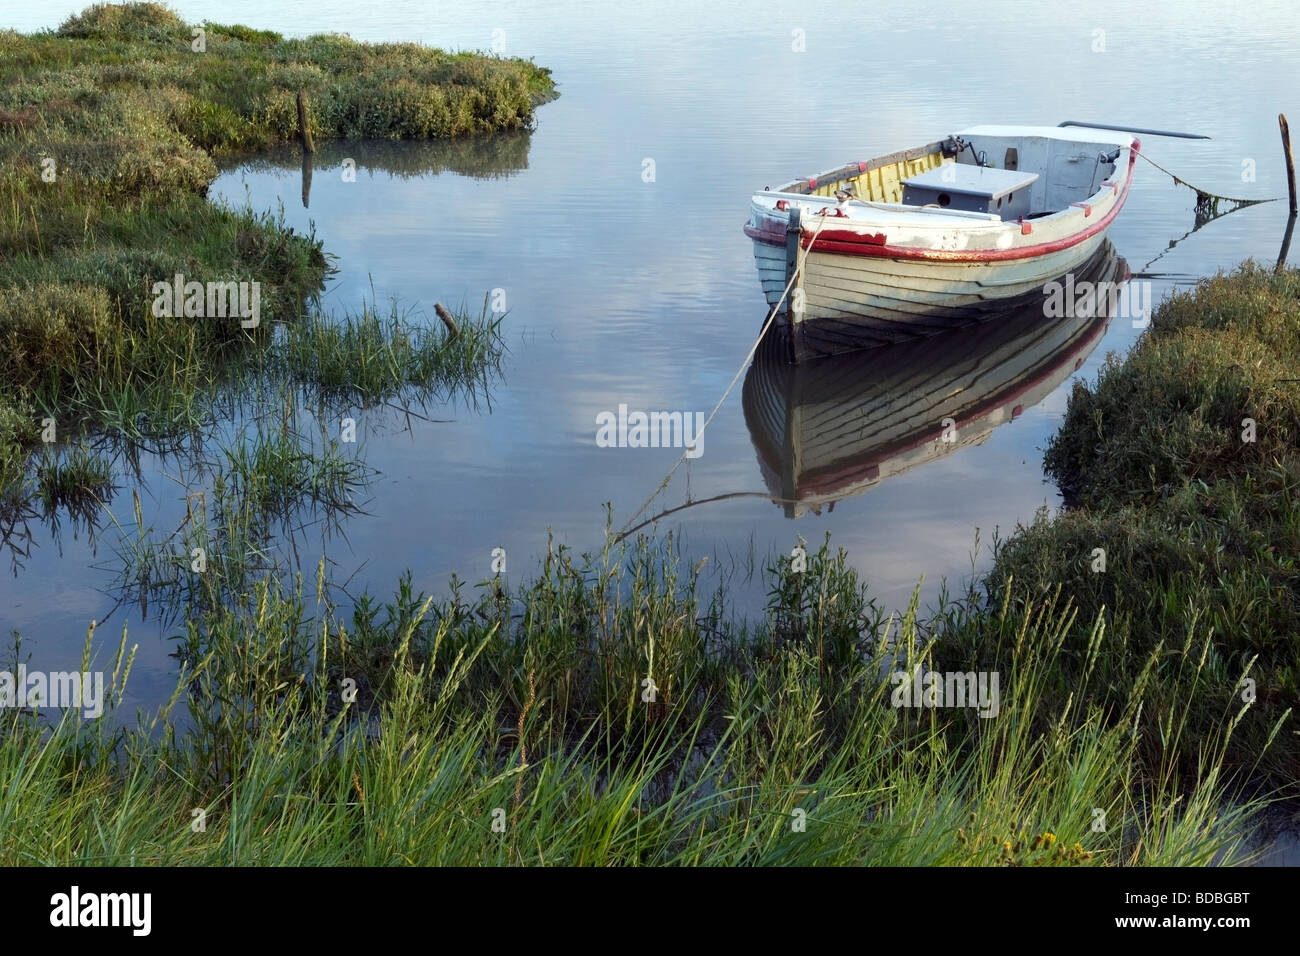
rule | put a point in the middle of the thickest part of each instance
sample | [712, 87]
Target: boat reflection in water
[833, 428]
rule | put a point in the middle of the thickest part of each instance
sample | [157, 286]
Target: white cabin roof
[1074, 134]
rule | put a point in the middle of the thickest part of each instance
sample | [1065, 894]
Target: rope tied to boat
[1205, 200]
[627, 528]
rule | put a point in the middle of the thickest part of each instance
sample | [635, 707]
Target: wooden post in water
[308, 147]
[447, 320]
[304, 130]
[1286, 245]
[306, 178]
[1290, 160]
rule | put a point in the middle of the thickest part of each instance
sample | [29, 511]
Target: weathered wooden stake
[447, 320]
[306, 178]
[1286, 245]
[1290, 161]
[304, 129]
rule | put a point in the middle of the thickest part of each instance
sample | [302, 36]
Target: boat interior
[993, 167]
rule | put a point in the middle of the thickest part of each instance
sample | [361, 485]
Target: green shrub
[52, 329]
[148, 21]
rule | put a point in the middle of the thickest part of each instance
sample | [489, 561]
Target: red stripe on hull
[773, 236]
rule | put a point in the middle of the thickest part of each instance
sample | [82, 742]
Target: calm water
[621, 291]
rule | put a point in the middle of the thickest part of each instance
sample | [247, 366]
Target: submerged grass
[262, 491]
[318, 375]
[372, 358]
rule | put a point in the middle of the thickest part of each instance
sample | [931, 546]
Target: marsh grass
[269, 428]
[371, 359]
[67, 484]
[1200, 527]
[241, 513]
[79, 482]
[461, 728]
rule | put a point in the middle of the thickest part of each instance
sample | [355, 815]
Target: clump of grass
[124, 21]
[18, 430]
[79, 482]
[278, 472]
[372, 358]
[243, 515]
[52, 328]
[63, 482]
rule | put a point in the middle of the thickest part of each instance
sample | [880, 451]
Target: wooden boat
[832, 428]
[936, 237]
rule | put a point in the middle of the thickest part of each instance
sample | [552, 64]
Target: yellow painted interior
[886, 183]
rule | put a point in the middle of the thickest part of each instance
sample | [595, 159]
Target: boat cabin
[973, 188]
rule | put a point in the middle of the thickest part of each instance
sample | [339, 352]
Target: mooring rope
[727, 496]
[1204, 196]
[740, 371]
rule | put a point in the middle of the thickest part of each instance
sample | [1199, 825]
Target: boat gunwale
[851, 170]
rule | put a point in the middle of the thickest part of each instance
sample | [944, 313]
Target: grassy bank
[110, 128]
[515, 725]
[1184, 463]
